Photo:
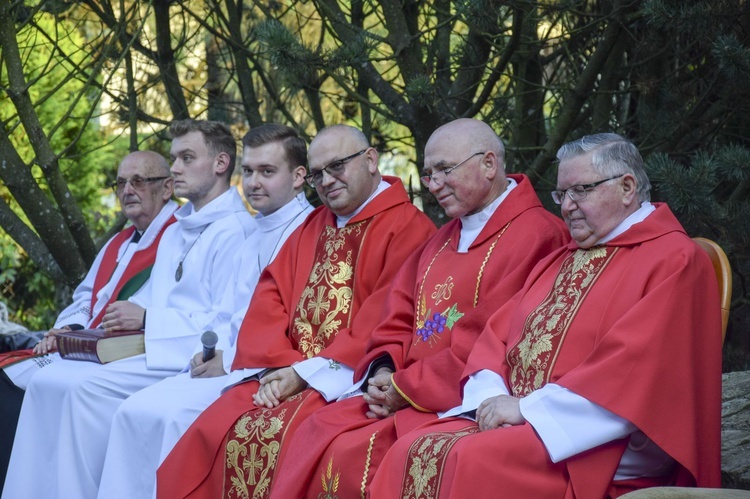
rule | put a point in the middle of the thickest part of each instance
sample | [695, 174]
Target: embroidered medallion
[325, 305]
[425, 462]
[532, 358]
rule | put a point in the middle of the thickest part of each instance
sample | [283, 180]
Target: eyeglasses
[334, 169]
[136, 182]
[440, 176]
[578, 192]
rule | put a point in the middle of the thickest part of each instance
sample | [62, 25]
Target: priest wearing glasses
[437, 306]
[602, 376]
[150, 422]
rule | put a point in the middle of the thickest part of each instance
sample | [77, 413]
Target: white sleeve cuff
[327, 376]
[356, 389]
[242, 375]
[480, 386]
[569, 424]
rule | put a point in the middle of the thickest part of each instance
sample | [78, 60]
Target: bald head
[154, 164]
[470, 135]
[346, 168]
[353, 136]
[465, 164]
[144, 186]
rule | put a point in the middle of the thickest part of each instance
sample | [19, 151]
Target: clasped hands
[277, 386]
[500, 411]
[381, 397]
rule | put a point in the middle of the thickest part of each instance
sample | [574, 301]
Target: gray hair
[612, 155]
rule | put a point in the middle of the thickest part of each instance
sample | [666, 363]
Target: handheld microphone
[209, 340]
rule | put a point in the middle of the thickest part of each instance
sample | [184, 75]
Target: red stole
[8, 358]
[109, 263]
[136, 273]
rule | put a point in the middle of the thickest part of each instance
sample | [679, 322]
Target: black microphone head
[209, 339]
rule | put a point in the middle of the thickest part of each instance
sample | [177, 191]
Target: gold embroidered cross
[319, 304]
[253, 464]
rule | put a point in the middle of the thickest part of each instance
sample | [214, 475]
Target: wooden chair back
[723, 275]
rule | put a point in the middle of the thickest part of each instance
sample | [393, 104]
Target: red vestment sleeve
[395, 332]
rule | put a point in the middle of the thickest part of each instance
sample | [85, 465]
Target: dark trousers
[11, 398]
[20, 341]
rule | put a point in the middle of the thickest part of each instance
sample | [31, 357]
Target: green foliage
[421, 91]
[296, 62]
[29, 294]
[707, 192]
[478, 13]
[356, 53]
[86, 160]
[733, 56]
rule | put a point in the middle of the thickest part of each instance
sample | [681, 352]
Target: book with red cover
[99, 345]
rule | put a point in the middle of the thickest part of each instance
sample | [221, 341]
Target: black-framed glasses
[135, 182]
[334, 169]
[578, 192]
[440, 176]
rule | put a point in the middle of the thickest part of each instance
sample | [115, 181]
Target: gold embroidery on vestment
[484, 263]
[367, 465]
[258, 458]
[329, 482]
[425, 461]
[533, 357]
[327, 298]
[443, 291]
[252, 449]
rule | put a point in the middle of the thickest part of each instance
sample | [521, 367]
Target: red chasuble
[437, 306]
[322, 296]
[135, 275]
[633, 326]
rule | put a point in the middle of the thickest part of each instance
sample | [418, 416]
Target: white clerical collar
[281, 216]
[192, 220]
[637, 216]
[343, 220]
[472, 225]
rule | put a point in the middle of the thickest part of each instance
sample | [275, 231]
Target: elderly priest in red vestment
[602, 375]
[307, 325]
[437, 307]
